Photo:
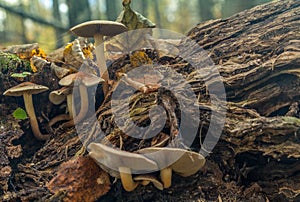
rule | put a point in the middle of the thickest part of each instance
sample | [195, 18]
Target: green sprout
[20, 114]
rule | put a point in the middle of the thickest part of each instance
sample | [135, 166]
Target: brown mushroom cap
[28, 87]
[103, 27]
[87, 79]
[58, 96]
[183, 162]
[115, 159]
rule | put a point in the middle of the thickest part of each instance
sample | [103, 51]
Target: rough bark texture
[257, 52]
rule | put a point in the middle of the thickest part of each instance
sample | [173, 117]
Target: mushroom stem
[101, 61]
[166, 177]
[100, 54]
[65, 117]
[70, 106]
[83, 108]
[126, 179]
[33, 121]
[61, 117]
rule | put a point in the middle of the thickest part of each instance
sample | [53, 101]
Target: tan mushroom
[59, 96]
[83, 81]
[146, 179]
[27, 89]
[184, 163]
[122, 161]
[98, 29]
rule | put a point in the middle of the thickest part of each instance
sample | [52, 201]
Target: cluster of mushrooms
[97, 29]
[142, 163]
[117, 163]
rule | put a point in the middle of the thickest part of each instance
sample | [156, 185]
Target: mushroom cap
[58, 96]
[103, 27]
[183, 162]
[86, 79]
[115, 159]
[25, 87]
[150, 178]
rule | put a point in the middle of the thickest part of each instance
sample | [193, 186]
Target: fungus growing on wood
[27, 89]
[98, 29]
[122, 161]
[184, 163]
[84, 81]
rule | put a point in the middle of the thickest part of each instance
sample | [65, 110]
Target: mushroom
[98, 29]
[27, 89]
[184, 163]
[84, 81]
[122, 161]
[146, 179]
[57, 97]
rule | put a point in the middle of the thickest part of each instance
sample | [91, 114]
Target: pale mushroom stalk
[32, 117]
[100, 54]
[126, 178]
[166, 177]
[84, 102]
[99, 43]
[70, 106]
[61, 117]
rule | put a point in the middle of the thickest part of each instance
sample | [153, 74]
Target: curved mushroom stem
[126, 179]
[83, 108]
[101, 61]
[65, 117]
[70, 106]
[33, 121]
[61, 117]
[166, 177]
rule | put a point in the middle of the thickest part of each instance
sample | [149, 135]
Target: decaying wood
[257, 53]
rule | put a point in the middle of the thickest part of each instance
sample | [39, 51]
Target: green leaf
[20, 114]
[20, 75]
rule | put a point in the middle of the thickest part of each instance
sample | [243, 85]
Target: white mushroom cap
[115, 159]
[183, 162]
[25, 87]
[86, 79]
[103, 27]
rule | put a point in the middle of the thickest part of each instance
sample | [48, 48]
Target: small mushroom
[98, 29]
[84, 81]
[184, 163]
[57, 97]
[146, 179]
[122, 161]
[27, 89]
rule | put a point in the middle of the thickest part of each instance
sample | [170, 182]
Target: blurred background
[48, 21]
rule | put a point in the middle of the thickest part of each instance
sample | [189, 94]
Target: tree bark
[257, 53]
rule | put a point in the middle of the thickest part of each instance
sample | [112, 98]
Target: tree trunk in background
[57, 18]
[145, 7]
[79, 11]
[235, 6]
[205, 9]
[111, 9]
[157, 13]
[23, 27]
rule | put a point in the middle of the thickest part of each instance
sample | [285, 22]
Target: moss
[10, 63]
